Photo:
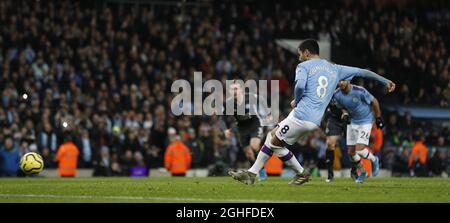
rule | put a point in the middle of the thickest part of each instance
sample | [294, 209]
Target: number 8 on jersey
[322, 88]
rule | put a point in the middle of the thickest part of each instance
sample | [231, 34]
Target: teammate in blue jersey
[315, 82]
[362, 107]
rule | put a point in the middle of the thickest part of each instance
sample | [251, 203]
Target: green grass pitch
[221, 190]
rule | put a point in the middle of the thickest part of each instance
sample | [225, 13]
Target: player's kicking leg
[288, 132]
[255, 145]
[250, 140]
[251, 151]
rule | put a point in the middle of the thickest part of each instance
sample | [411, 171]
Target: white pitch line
[186, 199]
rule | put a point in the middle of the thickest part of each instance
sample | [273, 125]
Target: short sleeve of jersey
[301, 76]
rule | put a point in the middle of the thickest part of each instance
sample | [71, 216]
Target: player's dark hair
[311, 45]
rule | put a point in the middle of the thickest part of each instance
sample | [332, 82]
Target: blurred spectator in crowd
[103, 165]
[151, 155]
[67, 157]
[388, 159]
[177, 158]
[222, 152]
[126, 163]
[206, 137]
[407, 124]
[417, 162]
[9, 158]
[48, 142]
[24, 148]
[438, 163]
[446, 134]
[116, 168]
[433, 137]
[392, 136]
[197, 148]
[439, 160]
[139, 169]
[401, 163]
[86, 149]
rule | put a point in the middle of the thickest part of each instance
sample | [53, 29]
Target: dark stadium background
[105, 68]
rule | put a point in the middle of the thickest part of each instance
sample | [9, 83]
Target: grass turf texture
[221, 189]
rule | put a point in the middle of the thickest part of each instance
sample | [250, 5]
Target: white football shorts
[291, 129]
[358, 134]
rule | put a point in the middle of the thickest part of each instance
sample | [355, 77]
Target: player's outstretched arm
[348, 72]
[390, 86]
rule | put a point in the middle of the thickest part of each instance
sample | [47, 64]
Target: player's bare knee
[359, 147]
[351, 150]
[276, 142]
[331, 142]
[255, 143]
[272, 133]
[331, 145]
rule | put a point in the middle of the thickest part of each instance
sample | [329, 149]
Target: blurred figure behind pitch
[417, 162]
[67, 157]
[177, 158]
[9, 158]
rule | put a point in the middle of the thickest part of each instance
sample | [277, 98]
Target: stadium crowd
[103, 74]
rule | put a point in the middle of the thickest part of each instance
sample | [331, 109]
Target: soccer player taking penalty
[315, 82]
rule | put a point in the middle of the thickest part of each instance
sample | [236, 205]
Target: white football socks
[283, 153]
[261, 159]
[356, 158]
[293, 162]
[366, 154]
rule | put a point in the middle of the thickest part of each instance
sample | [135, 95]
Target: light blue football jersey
[357, 103]
[315, 83]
